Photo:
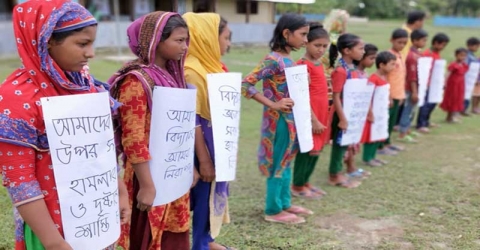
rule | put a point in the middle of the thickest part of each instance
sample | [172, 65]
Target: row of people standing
[397, 67]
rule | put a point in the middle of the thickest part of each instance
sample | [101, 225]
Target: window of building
[203, 6]
[6, 8]
[242, 7]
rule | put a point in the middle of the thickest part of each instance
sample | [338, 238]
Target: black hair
[472, 41]
[172, 23]
[370, 49]
[288, 21]
[223, 24]
[59, 37]
[440, 38]
[418, 34]
[414, 16]
[200, 6]
[399, 33]
[384, 57]
[345, 41]
[316, 31]
[230, 38]
[461, 50]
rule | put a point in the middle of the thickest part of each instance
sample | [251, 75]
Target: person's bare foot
[340, 180]
[285, 217]
[216, 246]
[423, 130]
[298, 210]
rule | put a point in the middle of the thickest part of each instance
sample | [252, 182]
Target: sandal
[298, 210]
[414, 134]
[285, 218]
[306, 193]
[228, 248]
[407, 139]
[315, 189]
[359, 173]
[396, 148]
[218, 246]
[373, 163]
[387, 151]
[423, 130]
[345, 184]
[383, 162]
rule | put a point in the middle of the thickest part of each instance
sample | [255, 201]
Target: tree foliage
[389, 8]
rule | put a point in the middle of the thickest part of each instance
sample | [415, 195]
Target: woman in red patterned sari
[160, 41]
[55, 41]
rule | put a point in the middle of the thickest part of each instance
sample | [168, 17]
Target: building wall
[189, 5]
[258, 31]
[228, 9]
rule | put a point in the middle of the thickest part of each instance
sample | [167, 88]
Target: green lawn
[427, 198]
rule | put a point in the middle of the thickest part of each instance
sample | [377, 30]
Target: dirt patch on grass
[359, 233]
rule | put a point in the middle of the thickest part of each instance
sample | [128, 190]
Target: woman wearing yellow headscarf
[209, 40]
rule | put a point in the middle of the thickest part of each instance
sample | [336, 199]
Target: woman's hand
[343, 125]
[145, 198]
[284, 103]
[207, 171]
[318, 127]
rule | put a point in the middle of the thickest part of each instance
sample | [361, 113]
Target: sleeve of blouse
[452, 67]
[309, 68]
[133, 114]
[339, 77]
[18, 173]
[264, 70]
[412, 69]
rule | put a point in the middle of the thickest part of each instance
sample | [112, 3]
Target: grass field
[427, 198]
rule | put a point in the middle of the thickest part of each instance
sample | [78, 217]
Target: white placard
[297, 82]
[471, 78]
[224, 96]
[437, 81]
[80, 136]
[381, 100]
[172, 140]
[357, 96]
[424, 66]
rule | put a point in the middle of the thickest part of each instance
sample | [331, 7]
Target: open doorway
[166, 5]
[6, 8]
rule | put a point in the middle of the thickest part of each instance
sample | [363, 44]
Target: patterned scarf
[39, 76]
[34, 22]
[349, 70]
[144, 34]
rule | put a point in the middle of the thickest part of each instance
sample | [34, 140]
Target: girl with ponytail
[318, 41]
[351, 48]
